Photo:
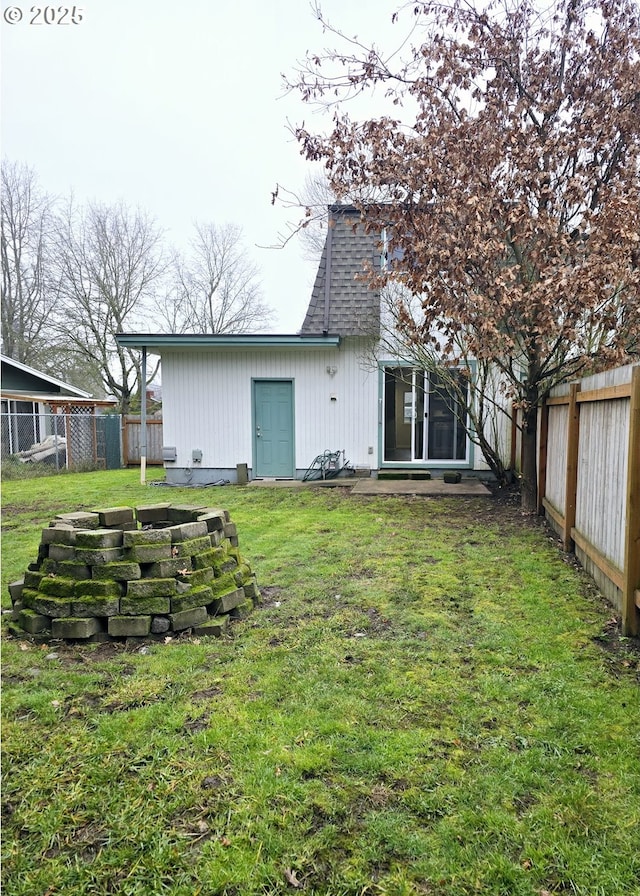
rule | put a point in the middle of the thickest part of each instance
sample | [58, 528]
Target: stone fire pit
[126, 572]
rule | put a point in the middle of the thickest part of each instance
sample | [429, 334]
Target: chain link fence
[40, 444]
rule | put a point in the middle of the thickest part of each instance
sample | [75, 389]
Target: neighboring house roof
[341, 302]
[19, 379]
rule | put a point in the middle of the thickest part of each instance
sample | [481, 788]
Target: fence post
[67, 434]
[571, 488]
[143, 419]
[542, 456]
[631, 581]
[125, 440]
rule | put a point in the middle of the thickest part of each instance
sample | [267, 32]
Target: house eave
[156, 342]
[57, 398]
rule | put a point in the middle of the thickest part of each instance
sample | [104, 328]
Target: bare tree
[109, 261]
[216, 287]
[25, 237]
[314, 198]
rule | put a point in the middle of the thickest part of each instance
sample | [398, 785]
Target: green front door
[273, 429]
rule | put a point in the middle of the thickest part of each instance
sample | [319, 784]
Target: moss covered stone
[57, 586]
[80, 520]
[120, 570]
[164, 569]
[152, 513]
[242, 573]
[146, 537]
[129, 626]
[151, 588]
[73, 627]
[62, 552]
[148, 553]
[72, 569]
[132, 606]
[98, 556]
[214, 520]
[84, 607]
[252, 591]
[201, 576]
[188, 618]
[62, 534]
[226, 602]
[197, 597]
[222, 584]
[99, 538]
[214, 628]
[33, 622]
[191, 547]
[97, 588]
[56, 607]
[32, 579]
[188, 531]
[208, 559]
[184, 513]
[242, 610]
[115, 516]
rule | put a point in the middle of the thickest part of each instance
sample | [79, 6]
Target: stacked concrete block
[123, 572]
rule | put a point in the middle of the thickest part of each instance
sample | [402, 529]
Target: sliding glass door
[423, 419]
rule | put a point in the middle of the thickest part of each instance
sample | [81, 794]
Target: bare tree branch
[216, 288]
[28, 299]
[109, 261]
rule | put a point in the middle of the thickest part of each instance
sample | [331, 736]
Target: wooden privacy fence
[131, 434]
[589, 480]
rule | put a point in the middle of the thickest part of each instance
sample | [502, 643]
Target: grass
[423, 705]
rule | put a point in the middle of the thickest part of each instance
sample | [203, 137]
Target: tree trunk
[529, 494]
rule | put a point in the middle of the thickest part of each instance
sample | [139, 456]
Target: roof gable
[341, 303]
[18, 377]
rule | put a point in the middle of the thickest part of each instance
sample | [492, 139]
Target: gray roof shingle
[345, 305]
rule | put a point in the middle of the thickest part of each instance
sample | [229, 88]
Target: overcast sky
[175, 106]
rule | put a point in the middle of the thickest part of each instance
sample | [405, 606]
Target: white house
[275, 402]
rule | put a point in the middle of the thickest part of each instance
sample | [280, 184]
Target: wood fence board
[557, 455]
[573, 439]
[555, 515]
[603, 563]
[606, 393]
[630, 624]
[602, 477]
[590, 484]
[131, 441]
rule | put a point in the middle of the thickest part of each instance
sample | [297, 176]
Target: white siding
[207, 400]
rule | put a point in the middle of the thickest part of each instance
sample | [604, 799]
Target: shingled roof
[342, 304]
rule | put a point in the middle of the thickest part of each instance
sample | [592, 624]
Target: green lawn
[424, 704]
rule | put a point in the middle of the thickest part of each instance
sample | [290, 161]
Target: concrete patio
[369, 486]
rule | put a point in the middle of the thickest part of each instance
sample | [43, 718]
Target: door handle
[258, 432]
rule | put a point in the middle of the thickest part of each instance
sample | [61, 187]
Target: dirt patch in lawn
[622, 654]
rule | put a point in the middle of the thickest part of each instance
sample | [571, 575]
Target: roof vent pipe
[327, 278]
